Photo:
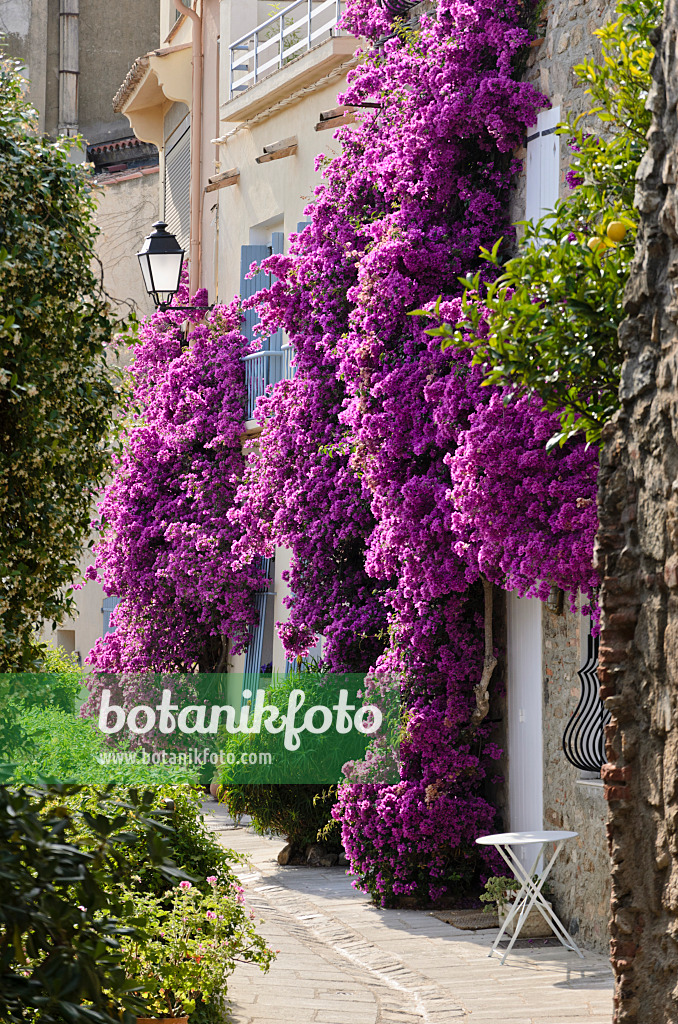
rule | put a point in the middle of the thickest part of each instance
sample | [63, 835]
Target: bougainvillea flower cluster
[167, 542]
[396, 479]
[392, 474]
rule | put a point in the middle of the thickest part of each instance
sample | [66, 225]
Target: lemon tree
[548, 322]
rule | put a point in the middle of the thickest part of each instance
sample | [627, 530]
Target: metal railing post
[230, 72]
[310, 22]
[256, 56]
[338, 15]
[282, 38]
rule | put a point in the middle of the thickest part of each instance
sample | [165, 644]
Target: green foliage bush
[57, 686]
[59, 746]
[299, 813]
[549, 321]
[58, 389]
[195, 851]
[60, 919]
[320, 758]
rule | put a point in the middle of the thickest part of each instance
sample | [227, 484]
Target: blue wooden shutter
[109, 604]
[250, 254]
[253, 654]
[278, 246]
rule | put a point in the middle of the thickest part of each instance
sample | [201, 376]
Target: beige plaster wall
[581, 875]
[127, 206]
[80, 632]
[270, 192]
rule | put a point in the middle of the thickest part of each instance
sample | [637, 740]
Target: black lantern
[161, 259]
[397, 8]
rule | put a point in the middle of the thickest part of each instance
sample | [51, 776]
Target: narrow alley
[343, 961]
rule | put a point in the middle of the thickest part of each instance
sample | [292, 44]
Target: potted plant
[500, 891]
[189, 940]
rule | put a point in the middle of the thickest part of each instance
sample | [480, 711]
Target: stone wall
[637, 556]
[566, 32]
[581, 875]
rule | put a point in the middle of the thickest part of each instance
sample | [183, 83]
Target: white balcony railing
[264, 368]
[298, 28]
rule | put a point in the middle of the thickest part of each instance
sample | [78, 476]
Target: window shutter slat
[276, 340]
[250, 254]
[178, 186]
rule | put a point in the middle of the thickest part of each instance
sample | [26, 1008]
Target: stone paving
[343, 961]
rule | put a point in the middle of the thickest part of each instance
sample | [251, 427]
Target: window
[109, 604]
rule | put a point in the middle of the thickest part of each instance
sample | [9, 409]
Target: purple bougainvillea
[396, 478]
[166, 545]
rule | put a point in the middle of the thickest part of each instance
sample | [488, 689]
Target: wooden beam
[329, 115]
[223, 180]
[278, 150]
[335, 122]
[278, 155]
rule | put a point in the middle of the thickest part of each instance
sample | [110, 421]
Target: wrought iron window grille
[584, 736]
[254, 649]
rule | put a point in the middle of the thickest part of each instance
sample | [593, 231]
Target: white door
[524, 687]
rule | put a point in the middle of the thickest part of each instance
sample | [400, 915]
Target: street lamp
[161, 259]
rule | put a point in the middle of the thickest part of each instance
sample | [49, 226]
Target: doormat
[469, 920]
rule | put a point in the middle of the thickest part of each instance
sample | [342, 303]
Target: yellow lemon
[616, 231]
[596, 244]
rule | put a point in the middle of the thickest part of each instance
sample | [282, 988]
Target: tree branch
[480, 689]
[222, 658]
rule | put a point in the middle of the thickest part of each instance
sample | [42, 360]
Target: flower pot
[534, 927]
[162, 1020]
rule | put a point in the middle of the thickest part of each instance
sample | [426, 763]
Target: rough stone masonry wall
[581, 875]
[566, 29]
[637, 555]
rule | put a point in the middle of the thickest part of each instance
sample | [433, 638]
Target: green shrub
[299, 813]
[60, 920]
[59, 388]
[60, 746]
[195, 852]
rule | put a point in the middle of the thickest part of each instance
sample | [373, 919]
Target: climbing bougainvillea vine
[393, 476]
[166, 544]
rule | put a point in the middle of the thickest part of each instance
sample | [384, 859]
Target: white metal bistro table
[530, 893]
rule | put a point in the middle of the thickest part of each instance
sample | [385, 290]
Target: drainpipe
[196, 145]
[69, 67]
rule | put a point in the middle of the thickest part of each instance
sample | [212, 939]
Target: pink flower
[184, 885]
[210, 915]
[212, 879]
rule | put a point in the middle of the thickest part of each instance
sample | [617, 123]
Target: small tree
[57, 388]
[548, 323]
